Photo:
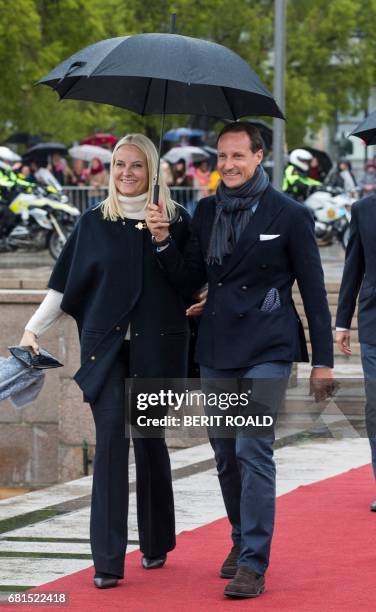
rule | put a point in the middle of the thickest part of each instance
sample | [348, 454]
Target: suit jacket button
[162, 333]
[136, 333]
[219, 284]
[92, 357]
[134, 375]
[264, 266]
[244, 287]
[241, 315]
[118, 328]
[213, 313]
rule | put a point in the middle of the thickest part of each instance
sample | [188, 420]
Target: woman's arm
[186, 271]
[44, 317]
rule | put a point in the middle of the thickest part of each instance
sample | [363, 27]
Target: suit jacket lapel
[265, 214]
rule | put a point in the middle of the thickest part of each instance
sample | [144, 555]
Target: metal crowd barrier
[84, 197]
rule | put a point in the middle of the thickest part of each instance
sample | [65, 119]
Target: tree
[330, 57]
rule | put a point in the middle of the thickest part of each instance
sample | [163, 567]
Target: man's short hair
[253, 132]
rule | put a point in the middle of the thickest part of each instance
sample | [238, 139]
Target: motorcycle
[35, 219]
[331, 210]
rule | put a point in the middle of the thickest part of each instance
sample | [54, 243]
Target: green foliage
[330, 64]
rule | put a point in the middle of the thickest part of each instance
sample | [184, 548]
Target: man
[250, 243]
[360, 274]
[296, 181]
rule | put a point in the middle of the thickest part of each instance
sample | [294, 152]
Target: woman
[98, 179]
[132, 324]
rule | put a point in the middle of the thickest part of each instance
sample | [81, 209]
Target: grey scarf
[232, 215]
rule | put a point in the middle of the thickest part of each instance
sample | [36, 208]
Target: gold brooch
[141, 225]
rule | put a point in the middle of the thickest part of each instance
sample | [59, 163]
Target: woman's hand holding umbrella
[157, 222]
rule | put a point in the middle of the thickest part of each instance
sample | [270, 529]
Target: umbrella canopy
[366, 130]
[8, 155]
[98, 140]
[89, 152]
[177, 134]
[164, 73]
[322, 157]
[189, 154]
[43, 149]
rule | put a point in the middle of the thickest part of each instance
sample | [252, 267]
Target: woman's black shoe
[153, 562]
[105, 581]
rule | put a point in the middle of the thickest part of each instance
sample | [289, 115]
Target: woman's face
[130, 170]
[95, 163]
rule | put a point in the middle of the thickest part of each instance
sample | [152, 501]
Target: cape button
[92, 357]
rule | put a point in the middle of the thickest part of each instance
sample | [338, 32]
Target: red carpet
[323, 560]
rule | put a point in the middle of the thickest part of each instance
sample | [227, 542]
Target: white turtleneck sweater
[49, 310]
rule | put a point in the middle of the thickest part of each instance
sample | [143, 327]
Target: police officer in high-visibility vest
[296, 182]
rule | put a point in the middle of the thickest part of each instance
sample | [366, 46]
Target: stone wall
[42, 443]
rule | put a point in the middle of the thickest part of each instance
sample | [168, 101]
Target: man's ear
[260, 155]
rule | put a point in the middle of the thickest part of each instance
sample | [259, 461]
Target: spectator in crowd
[183, 179]
[167, 173]
[315, 171]
[343, 176]
[58, 168]
[180, 175]
[98, 179]
[79, 174]
[26, 172]
[368, 181]
[214, 180]
[201, 178]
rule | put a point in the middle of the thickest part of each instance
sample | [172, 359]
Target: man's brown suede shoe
[230, 564]
[245, 584]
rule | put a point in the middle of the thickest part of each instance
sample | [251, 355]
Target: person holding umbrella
[132, 325]
[250, 243]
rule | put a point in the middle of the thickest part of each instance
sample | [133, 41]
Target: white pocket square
[269, 236]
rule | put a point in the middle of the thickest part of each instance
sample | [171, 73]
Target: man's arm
[352, 275]
[306, 264]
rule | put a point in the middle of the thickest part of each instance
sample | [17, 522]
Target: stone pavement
[44, 535]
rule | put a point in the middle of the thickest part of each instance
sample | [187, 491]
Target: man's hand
[30, 339]
[157, 222]
[343, 341]
[322, 384]
[196, 309]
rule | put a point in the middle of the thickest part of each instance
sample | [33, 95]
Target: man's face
[236, 162]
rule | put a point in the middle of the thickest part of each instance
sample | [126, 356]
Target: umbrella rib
[229, 105]
[146, 97]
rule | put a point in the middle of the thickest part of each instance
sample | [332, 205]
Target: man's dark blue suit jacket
[277, 247]
[360, 272]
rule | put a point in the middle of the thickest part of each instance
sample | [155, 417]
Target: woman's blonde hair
[111, 209]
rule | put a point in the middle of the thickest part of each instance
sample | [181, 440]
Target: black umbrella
[366, 130]
[164, 73]
[325, 163]
[43, 149]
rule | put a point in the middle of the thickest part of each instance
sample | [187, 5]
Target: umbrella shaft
[156, 192]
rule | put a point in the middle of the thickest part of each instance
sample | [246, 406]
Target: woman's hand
[197, 308]
[30, 339]
[157, 222]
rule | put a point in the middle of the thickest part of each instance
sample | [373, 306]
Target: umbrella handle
[156, 194]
